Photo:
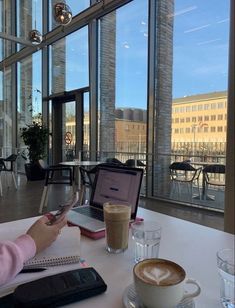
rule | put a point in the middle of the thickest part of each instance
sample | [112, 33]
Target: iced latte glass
[117, 219]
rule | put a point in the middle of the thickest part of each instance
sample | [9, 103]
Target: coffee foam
[116, 212]
[159, 272]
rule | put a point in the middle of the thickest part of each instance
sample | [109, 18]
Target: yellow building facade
[198, 125]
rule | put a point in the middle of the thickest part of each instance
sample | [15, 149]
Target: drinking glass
[225, 263]
[117, 219]
[147, 236]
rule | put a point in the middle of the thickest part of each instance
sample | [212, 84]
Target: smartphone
[59, 289]
[63, 210]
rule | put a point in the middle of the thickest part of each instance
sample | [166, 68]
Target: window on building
[194, 119]
[206, 107]
[206, 129]
[182, 120]
[200, 107]
[206, 118]
[187, 120]
[220, 117]
[200, 119]
[213, 106]
[213, 129]
[176, 120]
[187, 130]
[194, 108]
[188, 108]
[220, 105]
[220, 129]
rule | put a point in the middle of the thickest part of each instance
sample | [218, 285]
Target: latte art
[159, 272]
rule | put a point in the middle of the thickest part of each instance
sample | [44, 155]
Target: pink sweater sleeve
[13, 255]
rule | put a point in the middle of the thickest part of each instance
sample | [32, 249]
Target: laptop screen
[119, 184]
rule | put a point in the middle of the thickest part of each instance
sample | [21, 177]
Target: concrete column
[58, 61]
[163, 95]
[229, 212]
[107, 82]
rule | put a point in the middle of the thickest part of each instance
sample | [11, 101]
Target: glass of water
[147, 236]
[225, 263]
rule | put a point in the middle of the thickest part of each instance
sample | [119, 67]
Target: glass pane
[69, 62]
[197, 36]
[123, 82]
[86, 127]
[29, 17]
[6, 122]
[68, 131]
[6, 28]
[29, 97]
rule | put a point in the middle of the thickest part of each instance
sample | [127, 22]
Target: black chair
[54, 175]
[113, 160]
[87, 180]
[134, 163]
[130, 162]
[212, 176]
[184, 173]
[140, 163]
[7, 165]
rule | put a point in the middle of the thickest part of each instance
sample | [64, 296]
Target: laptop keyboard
[91, 212]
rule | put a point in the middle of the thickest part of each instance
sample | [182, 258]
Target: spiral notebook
[65, 250]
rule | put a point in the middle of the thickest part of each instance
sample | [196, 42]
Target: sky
[200, 50]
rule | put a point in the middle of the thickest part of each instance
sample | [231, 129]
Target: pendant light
[62, 13]
[34, 35]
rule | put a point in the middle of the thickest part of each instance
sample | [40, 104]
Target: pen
[32, 270]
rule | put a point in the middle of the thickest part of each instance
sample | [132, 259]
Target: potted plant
[35, 137]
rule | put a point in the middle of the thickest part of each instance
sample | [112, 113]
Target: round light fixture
[35, 37]
[62, 13]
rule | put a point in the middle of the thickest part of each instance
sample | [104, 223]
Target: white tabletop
[75, 163]
[191, 245]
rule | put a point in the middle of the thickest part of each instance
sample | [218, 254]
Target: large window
[156, 83]
[199, 85]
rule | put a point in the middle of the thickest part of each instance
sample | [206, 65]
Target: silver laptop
[114, 184]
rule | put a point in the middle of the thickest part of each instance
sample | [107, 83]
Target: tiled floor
[25, 202]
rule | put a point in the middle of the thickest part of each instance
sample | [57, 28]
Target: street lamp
[194, 135]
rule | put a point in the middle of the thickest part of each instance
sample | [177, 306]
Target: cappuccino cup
[160, 283]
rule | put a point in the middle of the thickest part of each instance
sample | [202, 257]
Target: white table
[191, 245]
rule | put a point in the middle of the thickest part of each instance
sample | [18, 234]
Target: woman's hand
[44, 234]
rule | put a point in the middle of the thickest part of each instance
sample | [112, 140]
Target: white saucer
[130, 299]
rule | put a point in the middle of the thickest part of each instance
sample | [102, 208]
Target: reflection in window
[29, 95]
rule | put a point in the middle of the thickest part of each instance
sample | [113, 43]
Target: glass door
[66, 123]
